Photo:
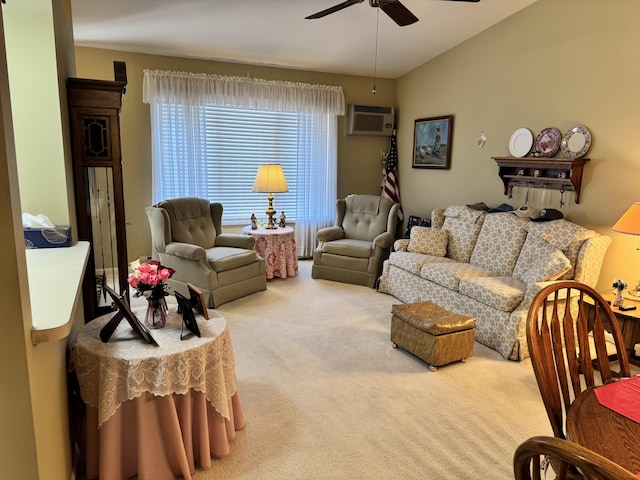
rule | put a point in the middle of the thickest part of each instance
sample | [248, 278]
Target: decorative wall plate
[576, 142]
[548, 142]
[521, 142]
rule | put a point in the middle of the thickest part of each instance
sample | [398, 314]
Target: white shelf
[55, 280]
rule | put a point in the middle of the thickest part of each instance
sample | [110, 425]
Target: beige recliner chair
[186, 234]
[353, 250]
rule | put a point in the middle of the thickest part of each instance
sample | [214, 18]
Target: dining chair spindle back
[569, 342]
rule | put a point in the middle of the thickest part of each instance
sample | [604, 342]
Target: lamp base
[270, 212]
[271, 225]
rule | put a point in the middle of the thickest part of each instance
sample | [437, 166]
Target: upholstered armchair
[186, 234]
[353, 250]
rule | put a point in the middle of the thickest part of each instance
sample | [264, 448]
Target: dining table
[155, 412]
[606, 419]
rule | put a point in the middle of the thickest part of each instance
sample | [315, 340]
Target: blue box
[48, 237]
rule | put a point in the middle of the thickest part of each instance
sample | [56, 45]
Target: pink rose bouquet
[150, 277]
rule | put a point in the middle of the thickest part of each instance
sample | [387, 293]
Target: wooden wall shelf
[564, 174]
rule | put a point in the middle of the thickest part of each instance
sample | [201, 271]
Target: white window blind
[226, 156]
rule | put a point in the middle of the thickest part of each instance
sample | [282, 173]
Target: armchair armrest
[235, 240]
[186, 250]
[330, 233]
[384, 240]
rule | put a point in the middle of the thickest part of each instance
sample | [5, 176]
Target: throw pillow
[546, 268]
[429, 241]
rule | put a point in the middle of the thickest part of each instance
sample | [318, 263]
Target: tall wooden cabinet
[94, 109]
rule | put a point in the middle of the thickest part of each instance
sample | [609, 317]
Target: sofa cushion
[548, 266]
[463, 225]
[430, 241]
[437, 217]
[349, 248]
[559, 233]
[449, 274]
[565, 235]
[499, 243]
[503, 293]
[413, 262]
[534, 247]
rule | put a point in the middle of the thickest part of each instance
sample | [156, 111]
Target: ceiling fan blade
[334, 9]
[399, 13]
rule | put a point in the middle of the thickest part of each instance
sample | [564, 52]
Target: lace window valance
[161, 86]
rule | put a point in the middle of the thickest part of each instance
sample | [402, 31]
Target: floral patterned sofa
[490, 266]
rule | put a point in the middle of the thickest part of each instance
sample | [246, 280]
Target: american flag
[390, 188]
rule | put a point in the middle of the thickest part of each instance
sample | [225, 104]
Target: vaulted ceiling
[275, 32]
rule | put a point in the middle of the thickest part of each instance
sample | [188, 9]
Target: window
[233, 143]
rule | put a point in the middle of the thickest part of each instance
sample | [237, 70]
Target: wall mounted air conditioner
[364, 120]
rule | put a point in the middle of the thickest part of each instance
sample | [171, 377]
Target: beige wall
[359, 162]
[557, 63]
[37, 114]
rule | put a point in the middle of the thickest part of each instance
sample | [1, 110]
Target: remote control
[624, 308]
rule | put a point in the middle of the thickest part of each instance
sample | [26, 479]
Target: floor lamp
[270, 179]
[629, 223]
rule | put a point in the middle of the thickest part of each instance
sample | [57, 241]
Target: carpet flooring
[327, 397]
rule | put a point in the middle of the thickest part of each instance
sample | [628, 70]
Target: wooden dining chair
[530, 456]
[568, 346]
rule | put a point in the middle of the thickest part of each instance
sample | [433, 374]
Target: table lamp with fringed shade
[629, 223]
[270, 179]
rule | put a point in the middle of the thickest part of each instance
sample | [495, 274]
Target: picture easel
[124, 311]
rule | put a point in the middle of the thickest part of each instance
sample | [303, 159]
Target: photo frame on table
[124, 311]
[188, 318]
[432, 142]
[198, 301]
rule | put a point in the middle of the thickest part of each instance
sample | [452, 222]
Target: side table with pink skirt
[156, 412]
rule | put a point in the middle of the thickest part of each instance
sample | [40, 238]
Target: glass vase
[156, 316]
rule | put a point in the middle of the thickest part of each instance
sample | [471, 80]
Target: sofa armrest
[532, 291]
[590, 258]
[384, 240]
[186, 250]
[236, 240]
[329, 234]
[401, 245]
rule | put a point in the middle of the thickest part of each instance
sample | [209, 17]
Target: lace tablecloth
[126, 367]
[278, 248]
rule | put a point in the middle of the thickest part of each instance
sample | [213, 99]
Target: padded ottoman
[432, 333]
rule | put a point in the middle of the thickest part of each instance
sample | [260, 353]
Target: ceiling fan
[396, 10]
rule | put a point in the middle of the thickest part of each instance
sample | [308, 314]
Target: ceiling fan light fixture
[396, 10]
